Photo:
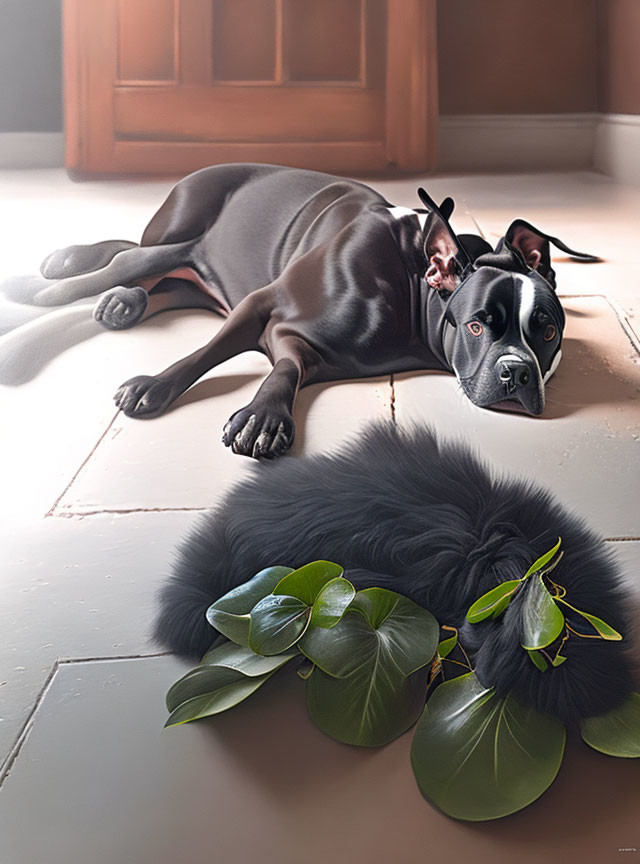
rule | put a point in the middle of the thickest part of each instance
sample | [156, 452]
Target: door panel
[337, 85]
[324, 40]
[147, 60]
[244, 40]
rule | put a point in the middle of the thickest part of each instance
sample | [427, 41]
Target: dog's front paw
[144, 396]
[121, 308]
[263, 433]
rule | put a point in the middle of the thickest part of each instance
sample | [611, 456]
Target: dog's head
[502, 322]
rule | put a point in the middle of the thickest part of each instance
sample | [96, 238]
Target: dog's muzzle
[519, 383]
[513, 373]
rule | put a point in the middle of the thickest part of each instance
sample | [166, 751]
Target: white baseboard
[617, 147]
[31, 149]
[517, 142]
[609, 143]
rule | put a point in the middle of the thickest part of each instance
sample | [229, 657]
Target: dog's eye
[475, 327]
[549, 333]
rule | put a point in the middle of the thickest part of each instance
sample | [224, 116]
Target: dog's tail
[204, 569]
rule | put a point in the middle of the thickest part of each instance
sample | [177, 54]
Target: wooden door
[169, 86]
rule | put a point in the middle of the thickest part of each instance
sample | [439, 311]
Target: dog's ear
[447, 207]
[532, 246]
[441, 251]
[445, 256]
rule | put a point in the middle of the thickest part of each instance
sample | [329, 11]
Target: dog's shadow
[34, 336]
[586, 378]
[219, 385]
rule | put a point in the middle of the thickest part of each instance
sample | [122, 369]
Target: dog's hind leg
[121, 308]
[76, 260]
[127, 267]
[148, 396]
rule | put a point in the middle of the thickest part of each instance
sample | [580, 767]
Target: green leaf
[616, 733]
[446, 646]
[230, 614]
[541, 618]
[209, 679]
[306, 582]
[378, 622]
[604, 630]
[479, 757]
[369, 708]
[366, 689]
[501, 605]
[538, 660]
[245, 660]
[229, 688]
[331, 602]
[544, 559]
[558, 660]
[493, 602]
[277, 622]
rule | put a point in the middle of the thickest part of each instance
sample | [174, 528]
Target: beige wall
[519, 56]
[619, 38]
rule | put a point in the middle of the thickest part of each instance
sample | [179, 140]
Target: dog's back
[231, 212]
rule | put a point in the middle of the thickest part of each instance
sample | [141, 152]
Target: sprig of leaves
[494, 602]
[542, 618]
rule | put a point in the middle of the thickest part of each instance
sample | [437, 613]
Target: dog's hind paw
[144, 396]
[121, 308]
[263, 433]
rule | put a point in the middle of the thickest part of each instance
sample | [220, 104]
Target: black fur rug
[402, 511]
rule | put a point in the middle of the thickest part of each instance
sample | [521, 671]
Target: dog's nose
[513, 373]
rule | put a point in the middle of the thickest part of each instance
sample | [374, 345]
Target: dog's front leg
[148, 396]
[265, 429]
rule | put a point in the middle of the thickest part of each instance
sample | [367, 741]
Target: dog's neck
[400, 212]
[432, 328]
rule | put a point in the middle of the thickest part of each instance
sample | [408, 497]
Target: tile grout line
[474, 220]
[23, 734]
[392, 403]
[82, 513]
[74, 661]
[52, 509]
[624, 322]
[618, 311]
[621, 539]
[71, 514]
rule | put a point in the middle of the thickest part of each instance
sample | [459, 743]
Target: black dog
[429, 522]
[330, 281]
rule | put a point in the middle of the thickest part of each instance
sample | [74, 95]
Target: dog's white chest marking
[399, 212]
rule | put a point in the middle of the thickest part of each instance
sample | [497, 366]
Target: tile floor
[93, 504]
